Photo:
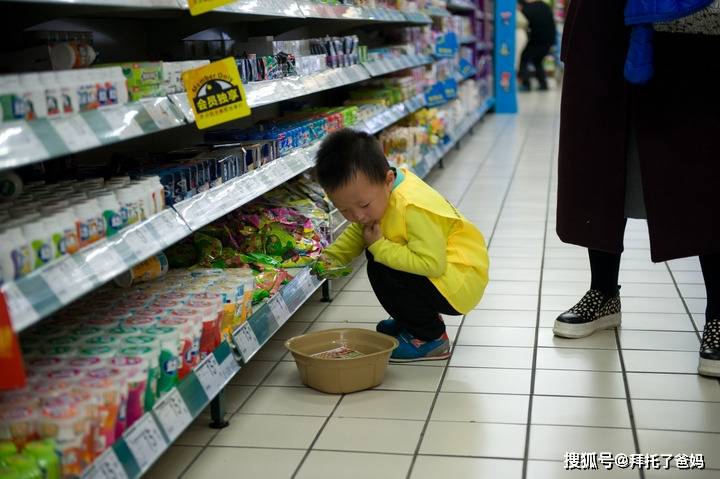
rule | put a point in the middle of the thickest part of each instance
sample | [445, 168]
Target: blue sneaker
[413, 349]
[389, 326]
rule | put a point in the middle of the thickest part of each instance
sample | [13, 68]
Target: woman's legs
[605, 269]
[710, 345]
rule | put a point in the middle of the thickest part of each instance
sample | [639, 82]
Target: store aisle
[513, 398]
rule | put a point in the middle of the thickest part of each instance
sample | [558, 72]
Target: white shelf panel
[390, 65]
[460, 5]
[26, 142]
[48, 289]
[393, 114]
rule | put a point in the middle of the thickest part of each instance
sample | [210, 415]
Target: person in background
[424, 258]
[541, 38]
[645, 151]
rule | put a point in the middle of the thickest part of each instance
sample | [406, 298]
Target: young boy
[424, 258]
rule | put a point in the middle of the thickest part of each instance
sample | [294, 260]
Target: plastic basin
[344, 375]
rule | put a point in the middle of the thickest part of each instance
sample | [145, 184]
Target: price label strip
[173, 414]
[141, 242]
[279, 309]
[210, 376]
[65, 278]
[145, 441]
[107, 466]
[246, 341]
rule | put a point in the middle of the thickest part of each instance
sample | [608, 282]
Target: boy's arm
[424, 254]
[348, 246]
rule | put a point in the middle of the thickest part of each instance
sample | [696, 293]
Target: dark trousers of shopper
[534, 54]
[412, 300]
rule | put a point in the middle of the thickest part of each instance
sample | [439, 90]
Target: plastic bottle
[40, 241]
[87, 90]
[25, 467]
[56, 233]
[120, 84]
[98, 76]
[69, 99]
[68, 220]
[33, 94]
[170, 361]
[111, 212]
[128, 205]
[88, 214]
[52, 94]
[12, 105]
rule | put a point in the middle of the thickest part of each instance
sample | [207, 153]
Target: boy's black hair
[345, 153]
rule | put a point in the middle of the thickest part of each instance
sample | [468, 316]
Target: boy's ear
[389, 177]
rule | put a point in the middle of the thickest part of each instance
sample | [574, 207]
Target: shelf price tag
[279, 309]
[210, 376]
[198, 7]
[173, 414]
[215, 92]
[145, 441]
[141, 242]
[65, 278]
[107, 466]
[246, 341]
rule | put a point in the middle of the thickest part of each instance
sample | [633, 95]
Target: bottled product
[33, 94]
[53, 101]
[110, 207]
[17, 258]
[169, 340]
[40, 241]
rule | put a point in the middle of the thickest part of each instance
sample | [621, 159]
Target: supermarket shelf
[418, 17]
[26, 142]
[435, 154]
[349, 12]
[270, 8]
[393, 114]
[434, 11]
[210, 205]
[274, 91]
[465, 40]
[146, 440]
[266, 320]
[135, 4]
[390, 65]
[484, 45]
[142, 444]
[46, 290]
[459, 77]
[460, 5]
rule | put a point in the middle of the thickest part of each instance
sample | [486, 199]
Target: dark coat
[677, 123]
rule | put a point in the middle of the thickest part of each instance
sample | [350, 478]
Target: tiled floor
[513, 398]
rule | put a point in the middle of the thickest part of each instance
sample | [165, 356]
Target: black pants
[410, 299]
[533, 54]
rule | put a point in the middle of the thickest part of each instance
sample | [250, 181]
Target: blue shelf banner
[435, 96]
[466, 68]
[450, 89]
[505, 78]
[447, 45]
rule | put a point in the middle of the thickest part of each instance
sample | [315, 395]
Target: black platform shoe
[594, 312]
[710, 349]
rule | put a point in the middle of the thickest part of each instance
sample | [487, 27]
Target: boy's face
[361, 200]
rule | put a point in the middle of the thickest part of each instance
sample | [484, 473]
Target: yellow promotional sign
[216, 93]
[201, 6]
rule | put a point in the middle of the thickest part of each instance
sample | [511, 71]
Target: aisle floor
[513, 399]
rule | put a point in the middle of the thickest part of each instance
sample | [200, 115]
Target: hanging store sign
[216, 93]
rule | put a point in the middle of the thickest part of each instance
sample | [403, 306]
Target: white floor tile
[677, 415]
[300, 401]
[353, 465]
[386, 405]
[505, 381]
[466, 407]
[676, 442]
[411, 378]
[497, 336]
[474, 439]
[579, 383]
[555, 469]
[173, 462]
[353, 314]
[578, 359]
[257, 430]
[370, 435]
[580, 411]
[492, 357]
[265, 463]
[520, 319]
[432, 467]
[678, 387]
[552, 442]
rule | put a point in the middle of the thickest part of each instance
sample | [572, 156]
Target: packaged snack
[135, 369]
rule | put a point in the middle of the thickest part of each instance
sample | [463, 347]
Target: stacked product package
[100, 364]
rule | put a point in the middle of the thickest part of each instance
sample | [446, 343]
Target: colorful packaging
[64, 422]
[107, 397]
[17, 424]
[46, 457]
[170, 348]
[136, 375]
[151, 362]
[152, 268]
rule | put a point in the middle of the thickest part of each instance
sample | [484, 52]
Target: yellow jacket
[425, 235]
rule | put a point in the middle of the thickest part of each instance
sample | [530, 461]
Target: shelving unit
[27, 144]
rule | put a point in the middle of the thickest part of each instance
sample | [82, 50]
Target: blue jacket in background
[640, 15]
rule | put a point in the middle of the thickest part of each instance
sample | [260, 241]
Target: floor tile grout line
[496, 143]
[528, 427]
[626, 384]
[685, 305]
[317, 437]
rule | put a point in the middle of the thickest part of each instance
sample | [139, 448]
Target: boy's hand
[372, 233]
